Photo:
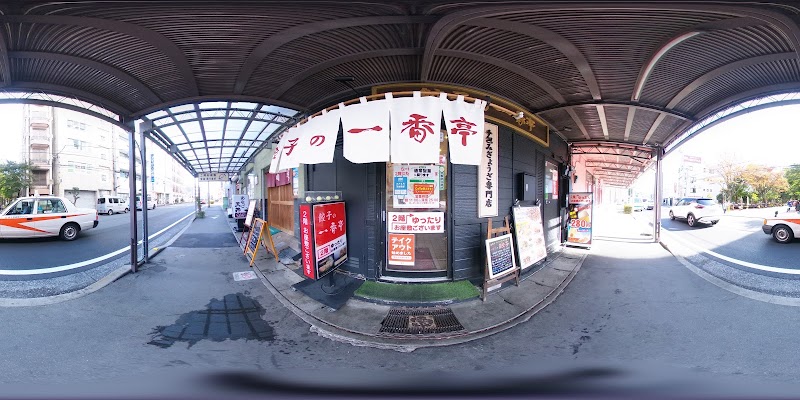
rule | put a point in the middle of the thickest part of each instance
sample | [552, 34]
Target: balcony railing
[40, 140]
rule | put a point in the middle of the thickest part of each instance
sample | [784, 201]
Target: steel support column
[132, 195]
[142, 127]
[659, 194]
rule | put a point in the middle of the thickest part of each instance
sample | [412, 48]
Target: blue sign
[400, 185]
[153, 179]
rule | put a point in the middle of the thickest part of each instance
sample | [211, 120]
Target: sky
[769, 137]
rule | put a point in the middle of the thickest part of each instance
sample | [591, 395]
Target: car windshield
[707, 202]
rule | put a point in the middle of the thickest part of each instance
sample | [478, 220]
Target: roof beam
[579, 123]
[629, 122]
[70, 92]
[498, 62]
[155, 39]
[601, 113]
[140, 87]
[308, 72]
[638, 106]
[272, 43]
[716, 73]
[553, 39]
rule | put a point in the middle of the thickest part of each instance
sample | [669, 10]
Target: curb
[730, 287]
[97, 285]
[327, 330]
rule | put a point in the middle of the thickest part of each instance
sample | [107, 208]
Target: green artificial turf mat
[418, 292]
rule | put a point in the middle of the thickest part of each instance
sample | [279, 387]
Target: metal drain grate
[420, 321]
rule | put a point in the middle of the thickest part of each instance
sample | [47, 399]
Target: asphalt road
[113, 233]
[737, 235]
[632, 319]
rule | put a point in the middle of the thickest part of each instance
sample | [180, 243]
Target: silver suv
[696, 210]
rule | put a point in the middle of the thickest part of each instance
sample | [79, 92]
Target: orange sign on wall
[423, 188]
[401, 249]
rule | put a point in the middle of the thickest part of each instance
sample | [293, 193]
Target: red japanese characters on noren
[463, 128]
[418, 127]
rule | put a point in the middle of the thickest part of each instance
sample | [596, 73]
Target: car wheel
[110, 212]
[690, 220]
[782, 234]
[671, 215]
[127, 210]
[69, 231]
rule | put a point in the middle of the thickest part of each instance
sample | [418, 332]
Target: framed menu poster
[529, 232]
[500, 256]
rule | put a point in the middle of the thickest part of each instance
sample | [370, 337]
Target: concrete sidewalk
[359, 322]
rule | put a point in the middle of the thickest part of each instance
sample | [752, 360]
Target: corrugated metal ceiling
[652, 68]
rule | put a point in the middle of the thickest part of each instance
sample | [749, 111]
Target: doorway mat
[418, 292]
[420, 321]
[334, 296]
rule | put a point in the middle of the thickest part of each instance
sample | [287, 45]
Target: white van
[110, 205]
[151, 204]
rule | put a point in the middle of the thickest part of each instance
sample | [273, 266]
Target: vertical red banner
[330, 237]
[307, 249]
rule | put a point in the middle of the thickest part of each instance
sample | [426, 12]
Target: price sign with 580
[579, 223]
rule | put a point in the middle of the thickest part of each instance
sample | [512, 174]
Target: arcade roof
[601, 73]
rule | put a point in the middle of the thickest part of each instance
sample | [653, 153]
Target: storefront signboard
[401, 249]
[487, 174]
[251, 209]
[529, 234]
[240, 204]
[326, 223]
[500, 254]
[579, 228]
[416, 222]
[419, 186]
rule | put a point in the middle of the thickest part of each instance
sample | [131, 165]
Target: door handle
[63, 216]
[30, 219]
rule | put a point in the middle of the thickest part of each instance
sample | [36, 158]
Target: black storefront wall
[362, 187]
[361, 194]
[516, 154]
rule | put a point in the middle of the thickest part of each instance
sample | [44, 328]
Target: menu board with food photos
[500, 255]
[529, 232]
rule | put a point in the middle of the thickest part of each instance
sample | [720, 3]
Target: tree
[730, 176]
[75, 194]
[792, 176]
[766, 184]
[13, 178]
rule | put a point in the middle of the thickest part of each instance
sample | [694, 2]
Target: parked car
[696, 210]
[42, 216]
[111, 205]
[783, 227]
[638, 205]
[151, 204]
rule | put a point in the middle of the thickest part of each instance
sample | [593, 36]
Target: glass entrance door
[416, 214]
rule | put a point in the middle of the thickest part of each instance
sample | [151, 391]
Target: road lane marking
[733, 260]
[87, 262]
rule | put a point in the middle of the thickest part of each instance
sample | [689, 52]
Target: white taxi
[784, 227]
[42, 216]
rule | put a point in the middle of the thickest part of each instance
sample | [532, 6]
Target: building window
[76, 125]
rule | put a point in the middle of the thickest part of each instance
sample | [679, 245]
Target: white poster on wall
[365, 131]
[416, 133]
[240, 205]
[415, 186]
[465, 127]
[487, 174]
